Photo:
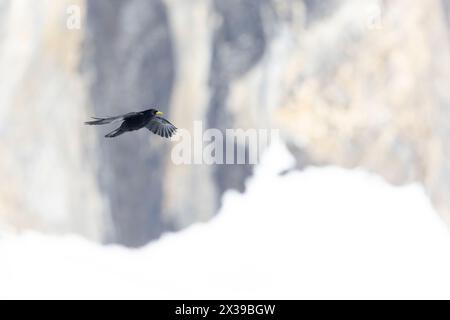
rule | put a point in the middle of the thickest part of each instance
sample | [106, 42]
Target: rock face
[48, 162]
[353, 83]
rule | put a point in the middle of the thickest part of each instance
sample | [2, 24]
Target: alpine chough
[151, 119]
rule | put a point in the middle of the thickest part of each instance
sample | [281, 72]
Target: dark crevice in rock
[318, 9]
[132, 68]
[446, 7]
[239, 44]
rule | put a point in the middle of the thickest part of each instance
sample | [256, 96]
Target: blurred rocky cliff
[354, 83]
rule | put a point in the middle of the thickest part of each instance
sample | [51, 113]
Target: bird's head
[156, 112]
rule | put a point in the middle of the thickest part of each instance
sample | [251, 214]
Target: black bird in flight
[151, 119]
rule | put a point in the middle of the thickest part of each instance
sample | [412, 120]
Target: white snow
[320, 233]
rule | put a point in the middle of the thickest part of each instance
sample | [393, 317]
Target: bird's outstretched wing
[161, 127]
[100, 121]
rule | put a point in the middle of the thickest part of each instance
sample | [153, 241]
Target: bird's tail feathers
[115, 133]
[98, 121]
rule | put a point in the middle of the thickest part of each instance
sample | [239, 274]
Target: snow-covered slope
[321, 233]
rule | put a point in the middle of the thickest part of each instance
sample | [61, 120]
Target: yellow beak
[159, 113]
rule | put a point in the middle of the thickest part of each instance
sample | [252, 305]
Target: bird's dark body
[150, 119]
[136, 122]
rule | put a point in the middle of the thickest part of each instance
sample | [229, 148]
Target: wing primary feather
[161, 127]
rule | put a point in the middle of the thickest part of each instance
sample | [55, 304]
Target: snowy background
[349, 235]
